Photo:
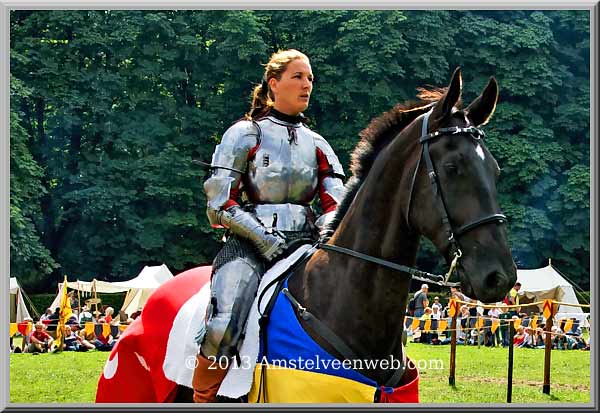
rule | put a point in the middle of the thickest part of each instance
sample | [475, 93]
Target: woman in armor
[266, 171]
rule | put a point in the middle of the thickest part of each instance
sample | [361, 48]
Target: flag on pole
[64, 315]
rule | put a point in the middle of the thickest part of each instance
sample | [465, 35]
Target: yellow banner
[105, 329]
[89, 328]
[427, 325]
[568, 325]
[495, 325]
[122, 327]
[517, 323]
[547, 309]
[479, 323]
[13, 329]
[534, 322]
[442, 325]
[415, 324]
[452, 307]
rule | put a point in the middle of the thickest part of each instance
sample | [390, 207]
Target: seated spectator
[85, 316]
[436, 313]
[108, 313]
[519, 337]
[70, 343]
[104, 343]
[46, 315]
[539, 337]
[426, 335]
[87, 338]
[559, 340]
[40, 340]
[530, 338]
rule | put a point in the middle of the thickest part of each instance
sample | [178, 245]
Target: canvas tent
[547, 283]
[18, 310]
[138, 289]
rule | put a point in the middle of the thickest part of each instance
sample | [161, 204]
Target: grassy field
[480, 376]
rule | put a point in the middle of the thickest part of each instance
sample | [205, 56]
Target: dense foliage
[110, 108]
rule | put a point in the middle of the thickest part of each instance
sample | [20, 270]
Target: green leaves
[108, 109]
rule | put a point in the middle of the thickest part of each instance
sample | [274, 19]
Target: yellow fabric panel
[89, 328]
[452, 308]
[299, 386]
[517, 323]
[495, 325]
[13, 329]
[479, 323]
[568, 325]
[427, 325]
[443, 325]
[415, 323]
[122, 327]
[533, 324]
[105, 329]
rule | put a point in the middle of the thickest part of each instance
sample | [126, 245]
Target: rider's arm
[330, 176]
[229, 163]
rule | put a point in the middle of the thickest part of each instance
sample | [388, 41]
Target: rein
[451, 233]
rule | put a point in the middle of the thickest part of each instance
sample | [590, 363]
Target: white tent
[547, 283]
[138, 288]
[18, 310]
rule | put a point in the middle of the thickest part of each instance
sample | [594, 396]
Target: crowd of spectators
[84, 331]
[495, 331]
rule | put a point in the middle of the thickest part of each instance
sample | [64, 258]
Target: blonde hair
[262, 96]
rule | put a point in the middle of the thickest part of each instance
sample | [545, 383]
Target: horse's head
[453, 198]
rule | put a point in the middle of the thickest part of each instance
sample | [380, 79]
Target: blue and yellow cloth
[299, 370]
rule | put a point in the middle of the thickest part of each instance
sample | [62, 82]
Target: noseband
[451, 233]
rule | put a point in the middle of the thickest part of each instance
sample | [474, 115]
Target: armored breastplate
[284, 168]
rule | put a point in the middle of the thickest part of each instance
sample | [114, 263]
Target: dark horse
[390, 204]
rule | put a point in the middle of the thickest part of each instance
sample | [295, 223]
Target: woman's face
[292, 91]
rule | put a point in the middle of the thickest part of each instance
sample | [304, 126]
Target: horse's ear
[443, 108]
[482, 108]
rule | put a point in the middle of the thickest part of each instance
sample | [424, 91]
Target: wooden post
[511, 334]
[95, 296]
[452, 377]
[477, 326]
[548, 351]
[78, 301]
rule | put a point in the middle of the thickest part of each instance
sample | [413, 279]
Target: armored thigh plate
[237, 273]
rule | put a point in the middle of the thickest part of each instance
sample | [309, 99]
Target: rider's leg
[233, 289]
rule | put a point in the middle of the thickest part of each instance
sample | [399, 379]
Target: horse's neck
[362, 302]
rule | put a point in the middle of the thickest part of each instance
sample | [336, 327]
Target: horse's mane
[375, 137]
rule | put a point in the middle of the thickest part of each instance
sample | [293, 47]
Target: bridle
[451, 233]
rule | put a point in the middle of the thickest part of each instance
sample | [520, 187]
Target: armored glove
[242, 223]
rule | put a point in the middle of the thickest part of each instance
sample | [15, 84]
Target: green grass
[480, 376]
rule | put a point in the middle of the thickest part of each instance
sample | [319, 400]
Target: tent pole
[78, 300]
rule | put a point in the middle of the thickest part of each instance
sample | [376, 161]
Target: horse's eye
[450, 168]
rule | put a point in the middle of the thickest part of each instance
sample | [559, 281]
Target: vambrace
[334, 187]
[245, 225]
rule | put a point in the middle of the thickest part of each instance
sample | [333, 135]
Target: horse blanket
[157, 351]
